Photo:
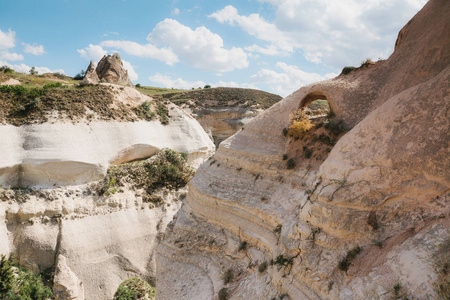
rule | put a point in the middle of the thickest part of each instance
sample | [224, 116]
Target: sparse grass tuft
[262, 267]
[290, 164]
[227, 276]
[344, 263]
[223, 294]
[242, 246]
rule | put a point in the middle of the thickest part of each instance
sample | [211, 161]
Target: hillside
[353, 204]
[222, 111]
[89, 172]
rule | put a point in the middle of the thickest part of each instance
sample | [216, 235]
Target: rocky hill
[351, 205]
[223, 111]
[89, 177]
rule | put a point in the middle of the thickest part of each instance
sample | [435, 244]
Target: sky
[273, 45]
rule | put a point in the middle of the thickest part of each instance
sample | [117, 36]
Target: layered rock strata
[52, 215]
[369, 221]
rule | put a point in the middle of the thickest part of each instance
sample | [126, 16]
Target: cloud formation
[336, 33]
[146, 51]
[288, 81]
[199, 48]
[7, 39]
[92, 52]
[35, 50]
[11, 56]
[179, 83]
[131, 73]
[23, 68]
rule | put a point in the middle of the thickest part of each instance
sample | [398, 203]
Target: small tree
[33, 71]
[207, 86]
[80, 75]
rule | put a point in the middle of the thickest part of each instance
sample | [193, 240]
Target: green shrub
[223, 294]
[290, 164]
[25, 285]
[6, 277]
[344, 263]
[243, 245]
[227, 276]
[278, 228]
[168, 169]
[6, 70]
[282, 260]
[347, 70]
[80, 75]
[262, 267]
[307, 153]
[138, 85]
[133, 289]
[207, 86]
[335, 127]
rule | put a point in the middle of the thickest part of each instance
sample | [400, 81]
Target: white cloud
[179, 83]
[35, 50]
[131, 73]
[176, 11]
[7, 39]
[11, 56]
[291, 79]
[148, 50]
[256, 26]
[337, 33]
[269, 50]
[168, 82]
[199, 48]
[93, 52]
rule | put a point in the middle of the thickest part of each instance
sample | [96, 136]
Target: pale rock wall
[393, 163]
[67, 154]
[95, 242]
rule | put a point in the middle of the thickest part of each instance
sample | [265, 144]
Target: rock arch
[317, 95]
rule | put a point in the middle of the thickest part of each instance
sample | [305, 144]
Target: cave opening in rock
[316, 105]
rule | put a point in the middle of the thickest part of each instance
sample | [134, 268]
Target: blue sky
[273, 45]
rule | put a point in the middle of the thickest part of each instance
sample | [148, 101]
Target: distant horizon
[271, 45]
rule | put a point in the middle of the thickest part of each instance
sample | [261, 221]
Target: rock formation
[223, 111]
[56, 215]
[91, 75]
[109, 69]
[369, 220]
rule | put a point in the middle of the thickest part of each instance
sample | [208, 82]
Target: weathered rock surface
[110, 69]
[63, 153]
[66, 284]
[57, 218]
[223, 111]
[91, 76]
[384, 187]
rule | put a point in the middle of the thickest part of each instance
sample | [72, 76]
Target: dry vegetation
[223, 97]
[312, 133]
[41, 96]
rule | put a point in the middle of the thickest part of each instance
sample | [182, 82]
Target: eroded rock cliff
[368, 220]
[66, 202]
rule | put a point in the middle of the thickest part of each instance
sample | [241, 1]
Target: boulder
[110, 69]
[91, 76]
